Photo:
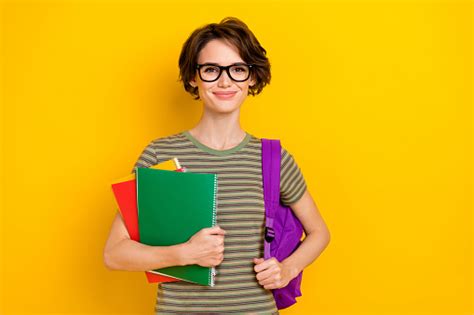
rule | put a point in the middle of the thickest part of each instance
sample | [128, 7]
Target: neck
[219, 131]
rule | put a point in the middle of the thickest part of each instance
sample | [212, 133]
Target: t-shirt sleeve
[292, 182]
[147, 158]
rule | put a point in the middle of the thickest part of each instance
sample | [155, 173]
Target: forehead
[220, 52]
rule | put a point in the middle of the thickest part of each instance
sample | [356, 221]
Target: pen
[178, 165]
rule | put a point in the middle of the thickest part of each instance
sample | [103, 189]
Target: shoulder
[284, 152]
[165, 141]
[160, 149]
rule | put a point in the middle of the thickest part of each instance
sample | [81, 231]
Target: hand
[206, 247]
[272, 274]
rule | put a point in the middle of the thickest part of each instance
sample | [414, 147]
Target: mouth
[225, 95]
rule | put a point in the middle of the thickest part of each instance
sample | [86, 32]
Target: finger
[262, 275]
[275, 277]
[215, 230]
[217, 239]
[264, 265]
[258, 260]
[219, 231]
[270, 286]
[267, 281]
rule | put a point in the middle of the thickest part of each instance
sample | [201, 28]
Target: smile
[224, 95]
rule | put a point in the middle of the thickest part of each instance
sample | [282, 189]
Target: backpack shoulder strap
[271, 159]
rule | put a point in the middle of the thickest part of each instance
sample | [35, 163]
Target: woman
[220, 64]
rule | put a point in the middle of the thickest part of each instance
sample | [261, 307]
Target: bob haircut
[235, 32]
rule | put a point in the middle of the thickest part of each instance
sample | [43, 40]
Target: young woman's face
[223, 95]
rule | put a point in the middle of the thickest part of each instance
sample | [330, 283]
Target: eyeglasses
[238, 72]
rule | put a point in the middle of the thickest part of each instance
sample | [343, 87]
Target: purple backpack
[283, 230]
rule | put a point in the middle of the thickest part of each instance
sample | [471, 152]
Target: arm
[317, 235]
[204, 248]
[273, 274]
[122, 253]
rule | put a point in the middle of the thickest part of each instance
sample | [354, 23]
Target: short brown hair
[235, 32]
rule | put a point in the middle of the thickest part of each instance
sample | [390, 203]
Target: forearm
[310, 249]
[129, 255]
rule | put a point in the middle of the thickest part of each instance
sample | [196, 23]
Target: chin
[219, 108]
[222, 106]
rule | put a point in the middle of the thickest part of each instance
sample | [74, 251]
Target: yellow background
[373, 99]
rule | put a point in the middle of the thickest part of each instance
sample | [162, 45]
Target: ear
[252, 81]
[193, 82]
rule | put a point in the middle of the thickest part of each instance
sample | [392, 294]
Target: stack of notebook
[162, 207]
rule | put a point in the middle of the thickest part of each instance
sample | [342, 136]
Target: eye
[239, 69]
[210, 69]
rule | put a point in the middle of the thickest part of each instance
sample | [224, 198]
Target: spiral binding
[214, 206]
[212, 273]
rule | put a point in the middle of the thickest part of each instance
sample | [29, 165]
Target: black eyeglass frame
[226, 68]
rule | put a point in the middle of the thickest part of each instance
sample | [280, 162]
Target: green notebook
[172, 207]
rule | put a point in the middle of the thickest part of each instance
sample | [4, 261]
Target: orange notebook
[125, 193]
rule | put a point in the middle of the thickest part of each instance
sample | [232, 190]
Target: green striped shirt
[240, 212]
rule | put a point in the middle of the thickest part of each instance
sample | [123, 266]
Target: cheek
[205, 90]
[244, 87]
[245, 91]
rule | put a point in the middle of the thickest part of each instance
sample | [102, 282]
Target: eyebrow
[217, 64]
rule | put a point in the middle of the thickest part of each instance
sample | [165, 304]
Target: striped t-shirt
[240, 212]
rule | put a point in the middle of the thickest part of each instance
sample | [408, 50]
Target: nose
[224, 80]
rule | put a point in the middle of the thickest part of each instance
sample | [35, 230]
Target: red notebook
[126, 198]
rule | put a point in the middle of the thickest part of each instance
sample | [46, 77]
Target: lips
[225, 95]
